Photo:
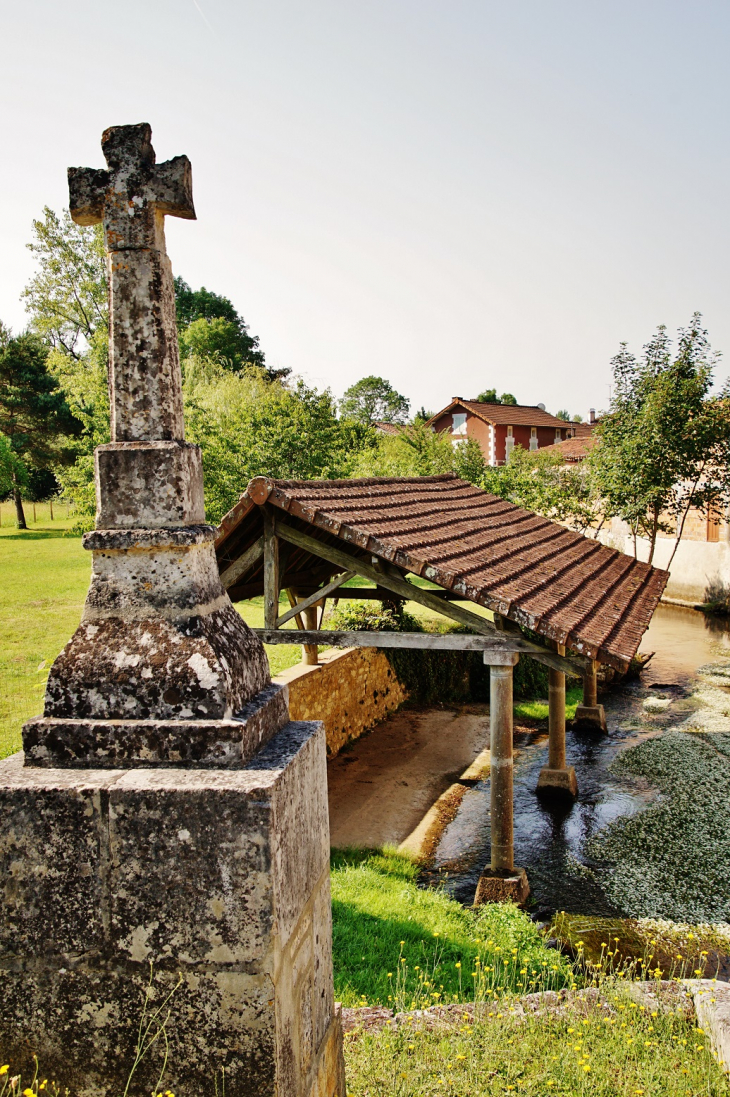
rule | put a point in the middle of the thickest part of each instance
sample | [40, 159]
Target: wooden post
[501, 882]
[310, 652]
[590, 714]
[556, 718]
[557, 778]
[271, 571]
[500, 745]
[590, 685]
[50, 508]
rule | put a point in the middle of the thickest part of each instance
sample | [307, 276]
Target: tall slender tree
[34, 416]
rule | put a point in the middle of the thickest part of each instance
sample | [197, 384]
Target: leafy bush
[435, 676]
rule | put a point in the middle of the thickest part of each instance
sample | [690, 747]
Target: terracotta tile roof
[564, 586]
[572, 450]
[513, 415]
[388, 428]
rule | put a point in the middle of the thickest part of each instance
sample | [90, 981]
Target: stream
[550, 839]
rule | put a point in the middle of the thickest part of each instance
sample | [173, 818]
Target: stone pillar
[166, 822]
[590, 714]
[501, 882]
[557, 778]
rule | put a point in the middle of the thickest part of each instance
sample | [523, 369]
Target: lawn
[395, 943]
[619, 1050]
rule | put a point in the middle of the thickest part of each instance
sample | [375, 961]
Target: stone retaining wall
[350, 692]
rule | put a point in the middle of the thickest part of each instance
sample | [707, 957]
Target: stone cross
[131, 199]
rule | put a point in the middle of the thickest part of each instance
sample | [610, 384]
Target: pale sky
[453, 194]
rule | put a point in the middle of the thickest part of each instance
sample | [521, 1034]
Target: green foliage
[84, 383]
[67, 297]
[419, 451]
[665, 444]
[382, 920]
[13, 472]
[34, 415]
[540, 481]
[563, 414]
[247, 425]
[489, 396]
[210, 327]
[373, 399]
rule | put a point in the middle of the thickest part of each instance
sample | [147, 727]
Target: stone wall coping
[301, 670]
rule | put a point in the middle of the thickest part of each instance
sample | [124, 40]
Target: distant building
[387, 428]
[498, 428]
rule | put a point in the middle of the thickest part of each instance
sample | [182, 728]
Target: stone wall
[350, 692]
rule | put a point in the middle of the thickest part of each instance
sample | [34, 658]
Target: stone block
[200, 666]
[219, 875]
[590, 718]
[118, 744]
[558, 783]
[148, 485]
[508, 887]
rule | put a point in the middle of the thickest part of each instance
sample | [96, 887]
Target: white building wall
[697, 565]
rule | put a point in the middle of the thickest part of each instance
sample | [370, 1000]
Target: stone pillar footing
[591, 717]
[557, 783]
[510, 886]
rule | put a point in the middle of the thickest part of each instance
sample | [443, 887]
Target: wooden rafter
[392, 579]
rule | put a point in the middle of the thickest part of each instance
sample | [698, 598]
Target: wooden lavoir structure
[582, 602]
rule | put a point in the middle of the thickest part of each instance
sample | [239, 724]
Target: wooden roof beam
[397, 583]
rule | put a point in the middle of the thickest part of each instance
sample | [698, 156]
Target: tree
[34, 415]
[211, 327]
[563, 414]
[247, 425]
[374, 400]
[665, 444]
[12, 470]
[489, 396]
[419, 451]
[67, 298]
[540, 481]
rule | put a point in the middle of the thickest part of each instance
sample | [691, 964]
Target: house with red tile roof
[498, 428]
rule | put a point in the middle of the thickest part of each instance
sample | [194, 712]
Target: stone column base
[117, 885]
[504, 887]
[590, 717]
[558, 783]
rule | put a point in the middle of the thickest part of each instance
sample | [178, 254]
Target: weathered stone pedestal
[590, 715]
[219, 876]
[167, 823]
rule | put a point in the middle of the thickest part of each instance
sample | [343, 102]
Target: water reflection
[550, 840]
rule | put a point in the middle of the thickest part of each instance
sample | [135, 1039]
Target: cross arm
[173, 187]
[87, 189]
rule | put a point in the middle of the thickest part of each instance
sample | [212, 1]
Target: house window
[557, 434]
[509, 432]
[533, 438]
[459, 423]
[713, 525]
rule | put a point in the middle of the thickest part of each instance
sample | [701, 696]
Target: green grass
[538, 710]
[621, 1051]
[398, 944]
